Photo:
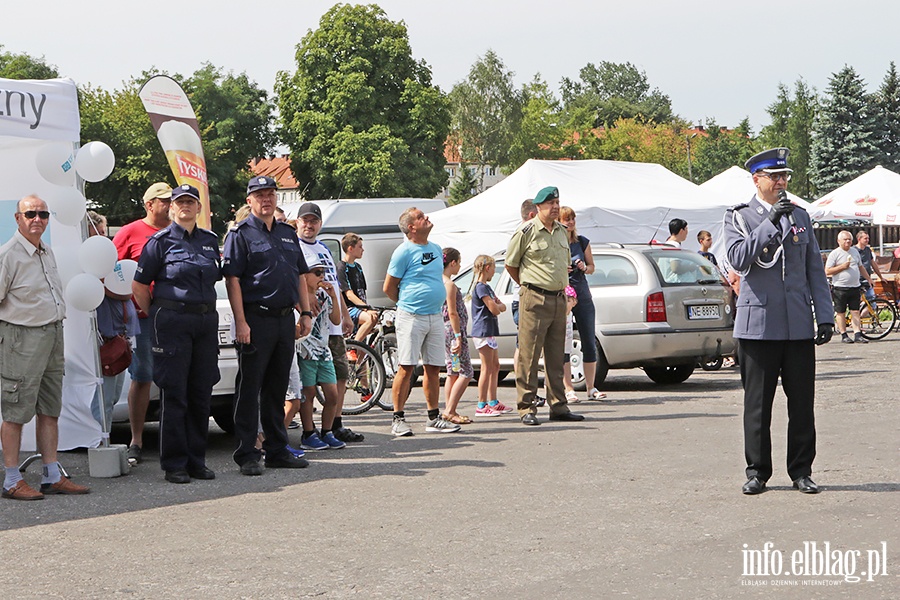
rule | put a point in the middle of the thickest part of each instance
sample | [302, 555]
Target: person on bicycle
[354, 287]
[867, 260]
[843, 266]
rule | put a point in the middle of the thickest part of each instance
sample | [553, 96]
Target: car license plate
[225, 337]
[703, 311]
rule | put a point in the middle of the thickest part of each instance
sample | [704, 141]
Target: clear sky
[714, 59]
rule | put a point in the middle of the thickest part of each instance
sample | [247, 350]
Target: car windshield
[678, 267]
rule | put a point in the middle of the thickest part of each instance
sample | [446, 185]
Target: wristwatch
[305, 313]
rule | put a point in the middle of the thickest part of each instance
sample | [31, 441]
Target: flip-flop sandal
[572, 397]
[596, 394]
[458, 419]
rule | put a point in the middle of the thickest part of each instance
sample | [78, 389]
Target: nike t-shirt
[420, 270]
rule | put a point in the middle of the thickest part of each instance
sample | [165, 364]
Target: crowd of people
[293, 305]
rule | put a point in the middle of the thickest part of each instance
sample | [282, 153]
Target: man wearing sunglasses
[32, 310]
[770, 243]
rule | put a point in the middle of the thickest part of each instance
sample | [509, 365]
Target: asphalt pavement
[640, 500]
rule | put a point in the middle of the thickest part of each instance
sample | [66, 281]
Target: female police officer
[182, 262]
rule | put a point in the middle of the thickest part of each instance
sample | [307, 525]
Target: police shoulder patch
[161, 233]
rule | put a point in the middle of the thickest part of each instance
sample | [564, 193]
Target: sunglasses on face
[317, 272]
[30, 214]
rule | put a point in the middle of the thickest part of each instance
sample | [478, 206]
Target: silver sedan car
[657, 307]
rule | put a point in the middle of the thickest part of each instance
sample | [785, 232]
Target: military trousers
[542, 328]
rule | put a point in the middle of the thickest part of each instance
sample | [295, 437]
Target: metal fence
[827, 236]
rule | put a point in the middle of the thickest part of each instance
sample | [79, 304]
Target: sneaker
[295, 424]
[348, 435]
[296, 452]
[487, 411]
[502, 407]
[332, 442]
[313, 443]
[400, 428]
[440, 425]
[134, 454]
[846, 338]
[859, 339]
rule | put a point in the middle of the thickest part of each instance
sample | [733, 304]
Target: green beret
[548, 193]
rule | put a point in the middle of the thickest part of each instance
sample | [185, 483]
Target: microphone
[782, 197]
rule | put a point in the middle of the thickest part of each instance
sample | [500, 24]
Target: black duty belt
[541, 290]
[185, 307]
[267, 311]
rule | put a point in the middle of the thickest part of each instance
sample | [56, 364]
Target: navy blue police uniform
[183, 268]
[782, 281]
[268, 265]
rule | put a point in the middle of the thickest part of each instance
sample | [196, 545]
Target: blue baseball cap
[261, 183]
[185, 190]
[773, 160]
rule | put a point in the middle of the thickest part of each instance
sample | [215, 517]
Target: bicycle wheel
[365, 382]
[882, 322]
[386, 348]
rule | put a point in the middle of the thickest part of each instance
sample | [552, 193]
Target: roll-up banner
[179, 135]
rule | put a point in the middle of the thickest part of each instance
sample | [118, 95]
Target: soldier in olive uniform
[770, 243]
[538, 259]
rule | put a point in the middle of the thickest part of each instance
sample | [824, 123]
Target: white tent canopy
[735, 185]
[35, 114]
[613, 201]
[874, 192]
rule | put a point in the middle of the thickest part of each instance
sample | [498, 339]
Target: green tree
[235, 119]
[360, 115]
[465, 185]
[542, 133]
[887, 101]
[609, 91]
[845, 140]
[24, 66]
[792, 127]
[721, 149]
[486, 113]
[118, 118]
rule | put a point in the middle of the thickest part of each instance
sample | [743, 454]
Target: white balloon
[118, 281]
[56, 163]
[84, 292]
[97, 255]
[67, 262]
[67, 205]
[95, 161]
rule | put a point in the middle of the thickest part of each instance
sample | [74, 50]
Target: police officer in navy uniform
[263, 265]
[770, 242]
[182, 262]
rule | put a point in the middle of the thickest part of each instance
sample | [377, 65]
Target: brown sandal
[458, 419]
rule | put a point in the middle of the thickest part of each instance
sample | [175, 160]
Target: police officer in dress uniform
[771, 244]
[182, 263]
[262, 265]
[538, 260]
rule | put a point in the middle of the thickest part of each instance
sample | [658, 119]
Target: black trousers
[761, 362]
[185, 367]
[260, 387]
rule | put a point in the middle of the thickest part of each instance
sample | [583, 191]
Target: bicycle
[877, 318]
[365, 380]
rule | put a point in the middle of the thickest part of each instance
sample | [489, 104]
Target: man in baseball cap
[130, 241]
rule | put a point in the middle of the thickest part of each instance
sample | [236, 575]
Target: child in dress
[455, 320]
[571, 301]
[485, 327]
